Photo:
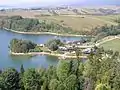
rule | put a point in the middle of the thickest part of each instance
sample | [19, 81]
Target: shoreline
[44, 33]
[45, 53]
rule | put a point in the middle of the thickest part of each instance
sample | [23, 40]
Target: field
[110, 18]
[80, 22]
[76, 22]
[25, 13]
[113, 45]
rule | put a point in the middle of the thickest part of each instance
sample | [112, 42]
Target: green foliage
[22, 69]
[63, 70]
[51, 73]
[53, 44]
[106, 30]
[103, 69]
[53, 84]
[78, 53]
[9, 79]
[31, 80]
[117, 20]
[19, 23]
[15, 17]
[21, 77]
[21, 46]
[45, 85]
[61, 87]
[102, 87]
[70, 82]
[100, 72]
[36, 49]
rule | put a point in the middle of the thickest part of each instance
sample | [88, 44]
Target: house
[41, 45]
[62, 48]
[80, 42]
[88, 50]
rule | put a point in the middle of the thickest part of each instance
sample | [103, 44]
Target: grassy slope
[75, 21]
[113, 45]
[109, 18]
[78, 23]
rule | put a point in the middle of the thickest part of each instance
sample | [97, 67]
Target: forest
[100, 72]
[104, 31]
[18, 23]
[21, 46]
[26, 46]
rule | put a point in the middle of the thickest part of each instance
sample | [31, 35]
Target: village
[69, 48]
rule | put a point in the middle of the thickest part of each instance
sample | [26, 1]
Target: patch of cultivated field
[65, 12]
[78, 22]
[26, 14]
[113, 45]
[90, 11]
[110, 18]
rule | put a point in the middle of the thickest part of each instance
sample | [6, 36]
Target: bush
[54, 44]
[21, 46]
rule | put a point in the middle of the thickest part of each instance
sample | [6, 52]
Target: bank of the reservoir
[44, 33]
[36, 61]
[45, 53]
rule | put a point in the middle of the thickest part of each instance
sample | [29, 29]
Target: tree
[63, 69]
[80, 77]
[18, 23]
[61, 86]
[53, 44]
[51, 73]
[102, 87]
[22, 69]
[53, 84]
[71, 83]
[45, 85]
[18, 17]
[31, 80]
[10, 79]
[78, 53]
[91, 70]
[21, 77]
[21, 46]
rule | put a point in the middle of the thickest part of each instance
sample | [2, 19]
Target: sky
[57, 2]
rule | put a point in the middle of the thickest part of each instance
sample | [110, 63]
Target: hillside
[112, 45]
[81, 22]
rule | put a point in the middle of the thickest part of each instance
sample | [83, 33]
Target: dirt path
[44, 33]
[106, 40]
[45, 53]
[109, 22]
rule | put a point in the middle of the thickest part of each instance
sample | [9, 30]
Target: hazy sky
[54, 2]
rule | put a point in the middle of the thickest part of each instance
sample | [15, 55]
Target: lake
[7, 60]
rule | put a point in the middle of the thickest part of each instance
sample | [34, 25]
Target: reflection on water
[15, 58]
[52, 59]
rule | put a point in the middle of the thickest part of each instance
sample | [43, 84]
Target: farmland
[73, 18]
[113, 45]
[80, 22]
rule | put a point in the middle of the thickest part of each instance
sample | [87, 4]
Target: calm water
[29, 62]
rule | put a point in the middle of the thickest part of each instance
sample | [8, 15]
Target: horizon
[38, 3]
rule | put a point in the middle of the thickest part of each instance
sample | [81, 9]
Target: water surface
[7, 60]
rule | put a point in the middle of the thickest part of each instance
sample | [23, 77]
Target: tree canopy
[100, 72]
[21, 46]
[53, 44]
[18, 23]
